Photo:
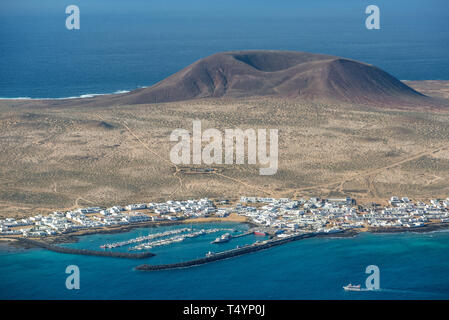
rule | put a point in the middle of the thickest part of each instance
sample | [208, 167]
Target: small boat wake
[423, 293]
[358, 288]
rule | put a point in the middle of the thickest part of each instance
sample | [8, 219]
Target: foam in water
[87, 95]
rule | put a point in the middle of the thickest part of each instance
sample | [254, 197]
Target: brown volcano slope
[283, 74]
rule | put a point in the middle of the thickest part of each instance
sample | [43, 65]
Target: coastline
[74, 237]
[81, 96]
[277, 242]
[242, 251]
[421, 85]
[14, 244]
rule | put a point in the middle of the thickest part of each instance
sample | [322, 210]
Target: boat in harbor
[173, 239]
[260, 233]
[351, 287]
[145, 238]
[209, 254]
[224, 238]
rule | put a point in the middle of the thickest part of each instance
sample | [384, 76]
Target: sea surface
[124, 45]
[412, 266]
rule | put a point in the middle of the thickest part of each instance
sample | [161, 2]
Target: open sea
[412, 266]
[124, 45]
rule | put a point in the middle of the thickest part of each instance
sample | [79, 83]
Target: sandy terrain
[57, 158]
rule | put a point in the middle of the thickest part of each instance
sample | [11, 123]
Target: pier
[178, 238]
[86, 252]
[226, 254]
[242, 234]
[144, 238]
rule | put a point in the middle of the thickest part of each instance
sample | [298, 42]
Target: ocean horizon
[122, 47]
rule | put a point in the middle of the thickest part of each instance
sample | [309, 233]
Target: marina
[297, 258]
[144, 238]
[86, 252]
[175, 239]
[269, 216]
[212, 256]
[224, 238]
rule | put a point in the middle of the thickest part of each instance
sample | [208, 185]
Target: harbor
[211, 257]
[287, 262]
[280, 220]
[175, 239]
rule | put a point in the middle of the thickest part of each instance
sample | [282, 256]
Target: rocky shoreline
[86, 252]
[245, 250]
[426, 228]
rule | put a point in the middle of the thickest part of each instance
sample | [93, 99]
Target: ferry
[224, 238]
[351, 287]
[260, 233]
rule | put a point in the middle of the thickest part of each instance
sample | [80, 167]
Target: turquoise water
[412, 266]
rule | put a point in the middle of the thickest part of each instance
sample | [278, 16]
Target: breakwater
[226, 254]
[177, 238]
[86, 252]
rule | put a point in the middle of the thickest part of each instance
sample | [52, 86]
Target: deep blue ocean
[412, 266]
[123, 45]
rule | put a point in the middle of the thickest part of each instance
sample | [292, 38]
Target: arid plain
[56, 158]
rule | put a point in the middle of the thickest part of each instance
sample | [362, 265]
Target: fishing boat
[351, 287]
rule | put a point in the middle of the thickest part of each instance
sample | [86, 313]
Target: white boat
[351, 287]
